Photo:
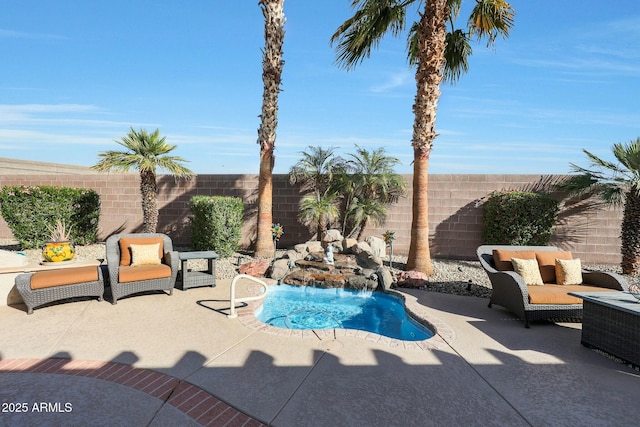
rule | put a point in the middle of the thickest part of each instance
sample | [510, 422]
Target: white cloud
[394, 81]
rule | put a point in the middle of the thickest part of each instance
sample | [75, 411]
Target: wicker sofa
[126, 277]
[546, 302]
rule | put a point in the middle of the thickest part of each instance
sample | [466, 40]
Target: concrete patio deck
[177, 360]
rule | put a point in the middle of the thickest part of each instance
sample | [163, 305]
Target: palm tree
[438, 54]
[145, 152]
[316, 173]
[317, 169]
[372, 184]
[616, 184]
[319, 211]
[272, 63]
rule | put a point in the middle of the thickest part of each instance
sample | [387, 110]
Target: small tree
[145, 152]
[371, 185]
[317, 173]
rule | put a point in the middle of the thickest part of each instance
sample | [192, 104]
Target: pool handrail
[233, 313]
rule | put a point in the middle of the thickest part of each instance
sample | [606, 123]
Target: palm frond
[490, 18]
[456, 55]
[372, 20]
[629, 156]
[145, 152]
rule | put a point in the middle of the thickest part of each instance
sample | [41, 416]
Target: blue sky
[75, 75]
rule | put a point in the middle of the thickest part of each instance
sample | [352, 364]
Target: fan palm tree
[145, 152]
[437, 53]
[319, 211]
[317, 174]
[371, 185]
[272, 63]
[616, 184]
[317, 169]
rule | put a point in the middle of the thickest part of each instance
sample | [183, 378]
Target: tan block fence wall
[455, 211]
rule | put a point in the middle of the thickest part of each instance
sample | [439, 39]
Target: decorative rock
[301, 248]
[412, 279]
[303, 263]
[365, 256]
[344, 261]
[385, 278]
[348, 244]
[254, 268]
[361, 247]
[293, 255]
[378, 246]
[362, 283]
[331, 236]
[279, 268]
[314, 246]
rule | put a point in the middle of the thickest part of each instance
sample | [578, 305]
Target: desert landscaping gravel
[461, 277]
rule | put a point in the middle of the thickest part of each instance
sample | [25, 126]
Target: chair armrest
[172, 259]
[511, 279]
[603, 279]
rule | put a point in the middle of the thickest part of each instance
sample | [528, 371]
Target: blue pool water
[306, 307]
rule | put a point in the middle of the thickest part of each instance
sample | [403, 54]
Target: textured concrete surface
[489, 371]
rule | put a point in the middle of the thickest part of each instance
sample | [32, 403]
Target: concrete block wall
[455, 210]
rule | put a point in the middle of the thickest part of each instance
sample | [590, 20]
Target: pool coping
[442, 337]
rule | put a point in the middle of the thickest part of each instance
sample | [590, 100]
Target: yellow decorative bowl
[58, 251]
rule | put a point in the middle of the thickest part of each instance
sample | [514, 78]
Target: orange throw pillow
[547, 263]
[502, 258]
[126, 242]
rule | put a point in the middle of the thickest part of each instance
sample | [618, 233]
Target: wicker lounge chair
[147, 277]
[511, 292]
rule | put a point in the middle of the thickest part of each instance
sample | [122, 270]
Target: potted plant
[60, 247]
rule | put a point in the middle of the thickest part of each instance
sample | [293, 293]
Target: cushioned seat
[47, 286]
[143, 272]
[559, 294]
[63, 276]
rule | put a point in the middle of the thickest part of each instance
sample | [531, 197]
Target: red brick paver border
[197, 404]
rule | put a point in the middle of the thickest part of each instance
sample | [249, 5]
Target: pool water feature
[307, 307]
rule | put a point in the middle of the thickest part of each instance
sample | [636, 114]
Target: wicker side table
[192, 279]
[611, 322]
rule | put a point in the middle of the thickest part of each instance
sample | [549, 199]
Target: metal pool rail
[233, 314]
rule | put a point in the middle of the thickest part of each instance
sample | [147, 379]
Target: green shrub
[519, 218]
[216, 223]
[30, 211]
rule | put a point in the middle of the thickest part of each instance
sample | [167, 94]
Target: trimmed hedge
[519, 218]
[216, 223]
[30, 211]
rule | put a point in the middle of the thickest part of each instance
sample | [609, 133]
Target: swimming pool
[306, 307]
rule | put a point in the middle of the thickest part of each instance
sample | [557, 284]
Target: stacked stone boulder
[357, 265]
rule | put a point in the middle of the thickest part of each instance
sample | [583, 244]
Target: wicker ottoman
[43, 287]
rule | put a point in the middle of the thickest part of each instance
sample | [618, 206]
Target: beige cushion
[547, 263]
[568, 272]
[528, 269]
[144, 255]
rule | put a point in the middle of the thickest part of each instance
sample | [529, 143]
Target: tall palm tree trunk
[272, 63]
[432, 31]
[630, 233]
[149, 192]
